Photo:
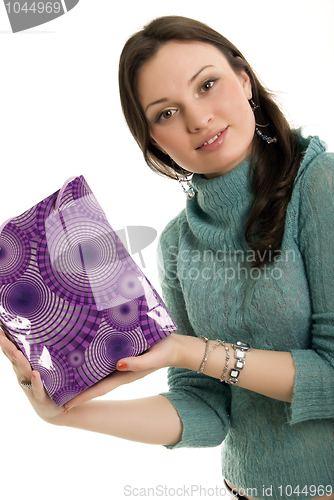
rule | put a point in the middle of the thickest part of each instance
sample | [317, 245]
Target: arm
[314, 383]
[189, 350]
[303, 376]
[149, 420]
[278, 368]
[152, 420]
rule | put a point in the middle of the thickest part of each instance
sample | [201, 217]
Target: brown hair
[274, 165]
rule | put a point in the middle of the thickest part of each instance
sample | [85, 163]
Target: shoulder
[316, 164]
[316, 170]
[317, 179]
[313, 193]
[313, 185]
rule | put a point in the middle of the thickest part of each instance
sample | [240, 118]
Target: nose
[197, 115]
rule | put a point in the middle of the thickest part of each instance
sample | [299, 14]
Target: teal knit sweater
[211, 289]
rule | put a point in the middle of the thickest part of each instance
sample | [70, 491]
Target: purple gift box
[71, 297]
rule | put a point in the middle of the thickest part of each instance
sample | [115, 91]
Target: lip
[216, 144]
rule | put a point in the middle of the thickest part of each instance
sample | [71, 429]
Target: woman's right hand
[142, 420]
[38, 397]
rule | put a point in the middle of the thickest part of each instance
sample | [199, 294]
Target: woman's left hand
[167, 352]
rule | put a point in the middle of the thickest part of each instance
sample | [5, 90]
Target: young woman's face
[197, 107]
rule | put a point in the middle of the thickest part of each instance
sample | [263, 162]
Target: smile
[211, 143]
[212, 140]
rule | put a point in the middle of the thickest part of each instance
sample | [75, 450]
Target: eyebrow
[200, 71]
[165, 99]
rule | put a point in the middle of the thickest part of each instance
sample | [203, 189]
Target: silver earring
[269, 140]
[189, 190]
[253, 105]
[264, 137]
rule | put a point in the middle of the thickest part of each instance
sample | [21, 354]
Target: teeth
[212, 140]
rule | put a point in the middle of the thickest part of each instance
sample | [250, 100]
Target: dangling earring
[253, 105]
[264, 137]
[269, 140]
[189, 190]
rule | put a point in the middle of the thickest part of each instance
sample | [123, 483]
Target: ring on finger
[26, 385]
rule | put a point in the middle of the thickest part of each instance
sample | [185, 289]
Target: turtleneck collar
[219, 212]
[221, 206]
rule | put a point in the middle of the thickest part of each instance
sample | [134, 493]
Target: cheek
[166, 140]
[243, 113]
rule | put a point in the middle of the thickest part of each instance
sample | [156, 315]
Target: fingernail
[67, 409]
[122, 366]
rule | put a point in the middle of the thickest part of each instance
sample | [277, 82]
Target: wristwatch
[240, 351]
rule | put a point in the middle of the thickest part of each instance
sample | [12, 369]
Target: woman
[247, 261]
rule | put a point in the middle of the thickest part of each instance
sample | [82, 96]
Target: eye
[207, 85]
[166, 114]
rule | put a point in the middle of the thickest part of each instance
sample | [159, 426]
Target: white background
[60, 116]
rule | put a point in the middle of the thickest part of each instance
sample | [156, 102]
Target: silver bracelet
[223, 343]
[222, 378]
[206, 353]
[240, 351]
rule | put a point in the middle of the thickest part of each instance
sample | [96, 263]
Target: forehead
[174, 62]
[190, 48]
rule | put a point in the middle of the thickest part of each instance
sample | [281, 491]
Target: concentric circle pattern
[53, 368]
[76, 358]
[15, 253]
[123, 255]
[123, 315]
[89, 206]
[77, 259]
[43, 210]
[27, 222]
[79, 188]
[71, 297]
[107, 348]
[65, 393]
[129, 285]
[85, 200]
[55, 322]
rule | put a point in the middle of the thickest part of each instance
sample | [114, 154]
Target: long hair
[274, 165]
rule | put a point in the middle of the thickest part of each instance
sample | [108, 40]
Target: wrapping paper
[71, 297]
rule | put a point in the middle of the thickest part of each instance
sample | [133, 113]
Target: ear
[246, 84]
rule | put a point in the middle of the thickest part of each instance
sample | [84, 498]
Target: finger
[106, 385]
[19, 362]
[95, 391]
[6, 354]
[147, 361]
[101, 388]
[21, 365]
[3, 336]
[33, 385]
[7, 347]
[37, 386]
[36, 392]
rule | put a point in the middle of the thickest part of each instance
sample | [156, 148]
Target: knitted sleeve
[202, 402]
[314, 385]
